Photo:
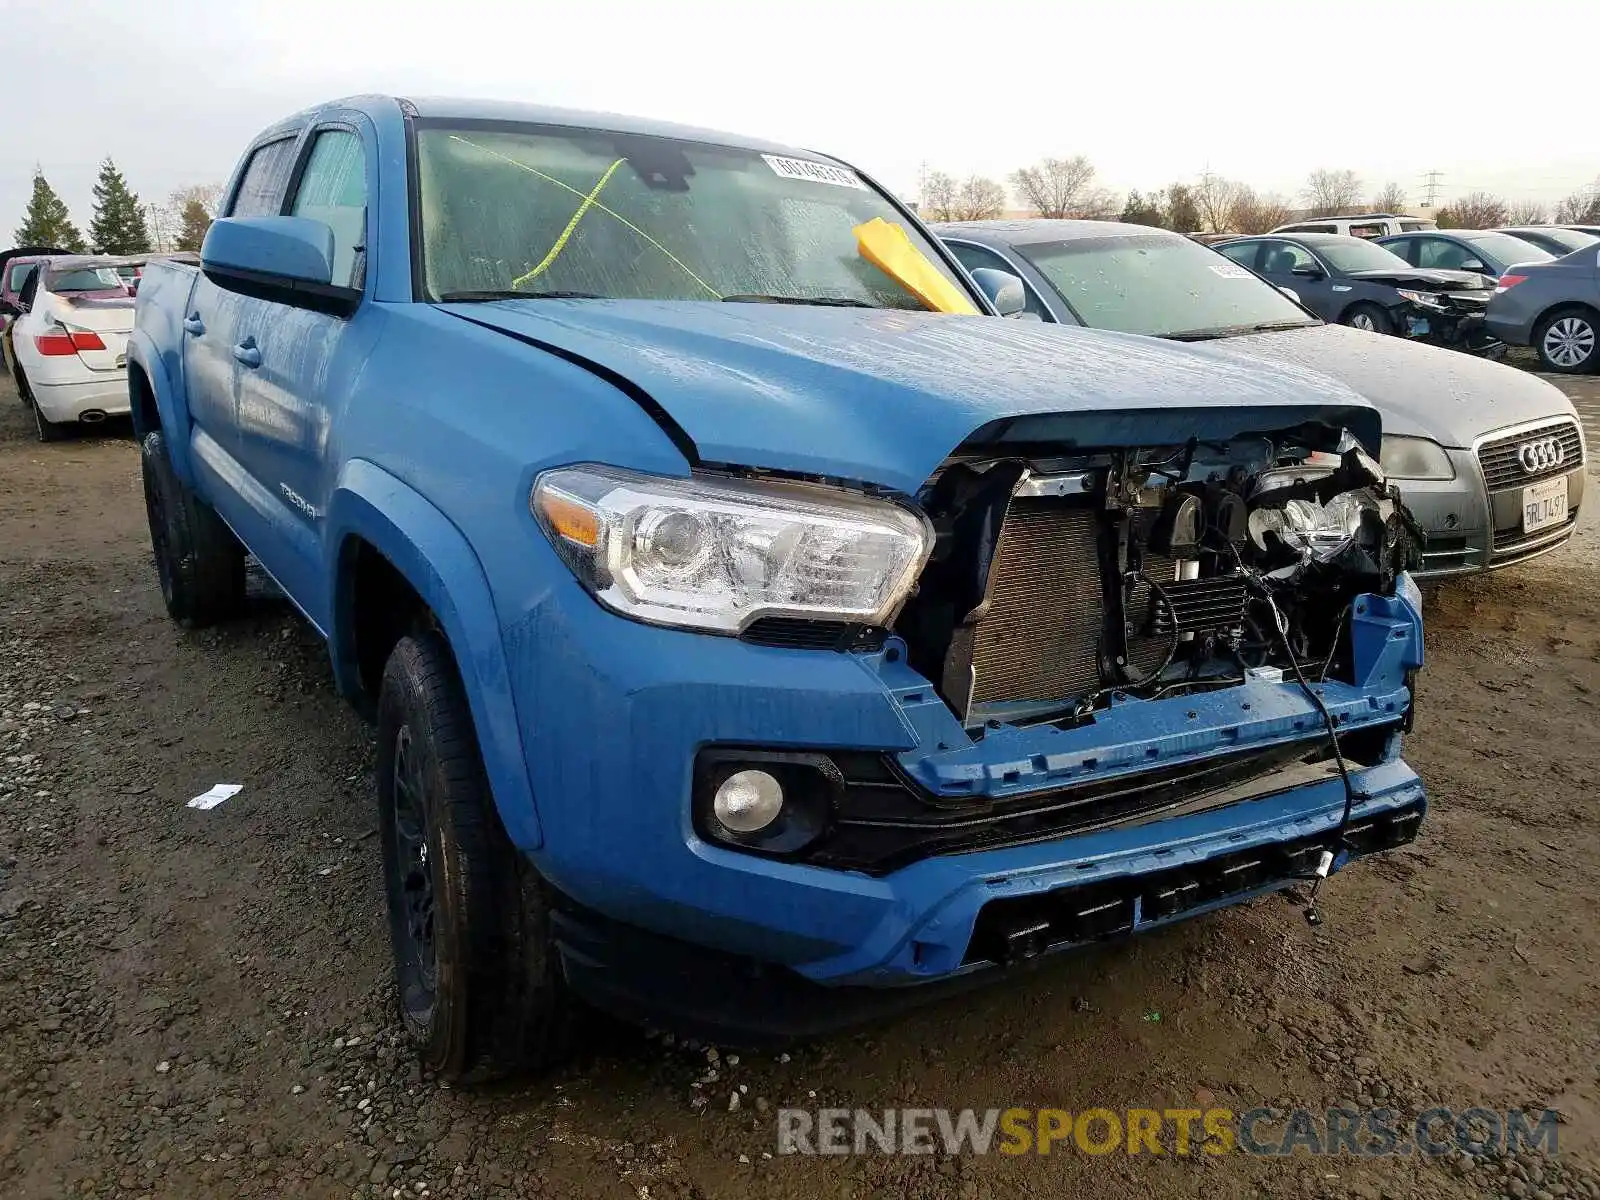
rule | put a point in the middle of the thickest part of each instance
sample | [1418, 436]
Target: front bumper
[1471, 529]
[613, 714]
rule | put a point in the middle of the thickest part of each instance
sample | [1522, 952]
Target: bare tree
[979, 198]
[1328, 193]
[938, 199]
[1097, 204]
[1390, 198]
[207, 195]
[1580, 208]
[1527, 212]
[1258, 214]
[1475, 210]
[1215, 197]
[1054, 187]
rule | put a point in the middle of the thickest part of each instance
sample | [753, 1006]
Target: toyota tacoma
[754, 639]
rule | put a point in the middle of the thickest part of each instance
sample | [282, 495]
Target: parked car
[16, 265]
[1555, 308]
[1553, 239]
[70, 343]
[1485, 251]
[1490, 458]
[1361, 225]
[734, 624]
[1351, 281]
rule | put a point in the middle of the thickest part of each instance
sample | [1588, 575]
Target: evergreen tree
[47, 222]
[118, 226]
[194, 220]
[1140, 210]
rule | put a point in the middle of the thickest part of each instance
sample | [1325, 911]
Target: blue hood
[883, 396]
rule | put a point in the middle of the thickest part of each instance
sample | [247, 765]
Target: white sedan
[71, 343]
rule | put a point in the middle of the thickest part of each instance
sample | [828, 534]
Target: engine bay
[1062, 580]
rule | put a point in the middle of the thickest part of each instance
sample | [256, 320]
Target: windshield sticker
[1230, 270]
[814, 172]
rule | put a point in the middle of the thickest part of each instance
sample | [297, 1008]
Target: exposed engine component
[1056, 583]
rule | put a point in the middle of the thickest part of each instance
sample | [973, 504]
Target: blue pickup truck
[755, 639]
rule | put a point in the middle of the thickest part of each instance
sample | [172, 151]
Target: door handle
[193, 324]
[247, 353]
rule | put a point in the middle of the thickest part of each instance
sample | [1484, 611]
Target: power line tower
[1430, 187]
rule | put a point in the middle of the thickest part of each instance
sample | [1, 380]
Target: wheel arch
[381, 532]
[156, 404]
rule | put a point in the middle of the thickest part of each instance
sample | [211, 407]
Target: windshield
[84, 279]
[1504, 248]
[1357, 255]
[1568, 239]
[1159, 284]
[545, 210]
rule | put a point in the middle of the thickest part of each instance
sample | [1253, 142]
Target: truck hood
[883, 396]
[1427, 279]
[1422, 391]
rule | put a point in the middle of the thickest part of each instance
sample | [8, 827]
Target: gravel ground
[197, 1003]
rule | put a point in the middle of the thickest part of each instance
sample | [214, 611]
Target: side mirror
[1472, 264]
[1005, 290]
[1309, 270]
[285, 259]
[1291, 293]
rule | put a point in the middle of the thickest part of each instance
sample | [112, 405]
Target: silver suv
[1362, 225]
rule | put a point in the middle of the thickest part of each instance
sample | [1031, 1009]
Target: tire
[477, 975]
[198, 560]
[48, 430]
[1367, 316]
[1568, 341]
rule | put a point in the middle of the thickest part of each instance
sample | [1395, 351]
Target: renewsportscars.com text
[1264, 1132]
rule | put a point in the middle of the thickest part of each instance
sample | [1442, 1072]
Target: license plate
[1544, 504]
[1417, 326]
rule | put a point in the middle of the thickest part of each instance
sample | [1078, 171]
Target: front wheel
[1368, 317]
[481, 994]
[1567, 343]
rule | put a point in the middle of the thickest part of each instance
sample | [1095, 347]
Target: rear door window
[260, 192]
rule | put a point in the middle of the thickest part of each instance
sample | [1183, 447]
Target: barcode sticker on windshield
[1229, 270]
[814, 172]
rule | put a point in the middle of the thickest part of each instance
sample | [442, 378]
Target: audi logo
[1541, 455]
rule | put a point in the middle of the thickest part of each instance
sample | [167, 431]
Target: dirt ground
[198, 1003]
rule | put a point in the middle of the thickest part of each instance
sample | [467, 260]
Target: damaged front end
[1062, 580]
[1117, 635]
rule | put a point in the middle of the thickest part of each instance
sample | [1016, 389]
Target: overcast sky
[1151, 92]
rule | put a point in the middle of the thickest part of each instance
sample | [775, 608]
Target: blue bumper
[613, 714]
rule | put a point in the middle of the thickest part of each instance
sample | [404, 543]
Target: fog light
[748, 801]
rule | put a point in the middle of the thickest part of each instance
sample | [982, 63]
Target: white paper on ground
[216, 794]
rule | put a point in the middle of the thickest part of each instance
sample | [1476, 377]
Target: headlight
[1426, 299]
[1322, 529]
[1415, 458]
[716, 554]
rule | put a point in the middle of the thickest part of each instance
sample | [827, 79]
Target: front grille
[1503, 468]
[1509, 541]
[1040, 636]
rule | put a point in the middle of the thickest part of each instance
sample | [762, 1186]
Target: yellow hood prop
[886, 246]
